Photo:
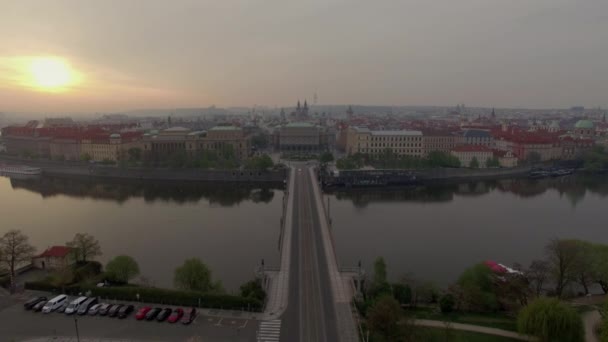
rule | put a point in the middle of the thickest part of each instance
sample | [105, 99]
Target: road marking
[269, 331]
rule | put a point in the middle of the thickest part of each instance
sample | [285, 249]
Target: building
[219, 138]
[584, 129]
[505, 158]
[522, 144]
[477, 137]
[109, 147]
[466, 154]
[300, 137]
[373, 143]
[53, 258]
[438, 140]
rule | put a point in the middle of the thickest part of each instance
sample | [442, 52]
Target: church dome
[584, 124]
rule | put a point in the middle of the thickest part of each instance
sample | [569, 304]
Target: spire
[604, 119]
[493, 114]
[298, 104]
[305, 105]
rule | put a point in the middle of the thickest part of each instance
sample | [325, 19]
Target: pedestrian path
[269, 331]
[472, 328]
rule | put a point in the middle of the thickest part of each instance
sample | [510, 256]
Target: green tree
[85, 157]
[134, 154]
[84, 247]
[476, 284]
[194, 275]
[551, 320]
[178, 159]
[383, 318]
[474, 164]
[402, 293]
[122, 268]
[447, 302]
[442, 159]
[492, 162]
[533, 158]
[563, 257]
[600, 266]
[260, 141]
[326, 157]
[253, 289]
[263, 162]
[15, 250]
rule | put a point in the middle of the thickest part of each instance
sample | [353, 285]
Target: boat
[537, 174]
[19, 170]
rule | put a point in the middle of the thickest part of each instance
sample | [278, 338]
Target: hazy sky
[133, 54]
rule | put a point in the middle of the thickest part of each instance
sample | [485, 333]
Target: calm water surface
[434, 232]
[231, 228]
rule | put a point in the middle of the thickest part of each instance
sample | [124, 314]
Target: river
[432, 233]
[230, 227]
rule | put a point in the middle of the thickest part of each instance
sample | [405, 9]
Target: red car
[176, 315]
[141, 313]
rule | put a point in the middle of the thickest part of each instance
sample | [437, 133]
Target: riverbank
[87, 170]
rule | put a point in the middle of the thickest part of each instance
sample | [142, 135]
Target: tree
[442, 159]
[600, 266]
[402, 293]
[533, 158]
[492, 162]
[379, 285]
[134, 154]
[537, 274]
[563, 258]
[446, 303]
[326, 157]
[85, 157]
[194, 275]
[262, 162]
[122, 268]
[474, 164]
[15, 250]
[583, 267]
[476, 284]
[253, 289]
[84, 247]
[551, 320]
[260, 141]
[383, 318]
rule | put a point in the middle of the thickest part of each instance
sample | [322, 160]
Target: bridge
[309, 298]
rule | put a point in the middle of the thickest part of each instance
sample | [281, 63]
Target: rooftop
[55, 251]
[584, 124]
[300, 125]
[225, 128]
[472, 148]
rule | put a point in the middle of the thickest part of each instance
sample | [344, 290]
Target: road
[310, 314]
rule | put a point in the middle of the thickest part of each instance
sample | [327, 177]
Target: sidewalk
[472, 328]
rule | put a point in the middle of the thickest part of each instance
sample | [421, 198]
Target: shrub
[551, 320]
[86, 270]
[446, 303]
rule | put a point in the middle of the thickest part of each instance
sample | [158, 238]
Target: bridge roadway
[309, 294]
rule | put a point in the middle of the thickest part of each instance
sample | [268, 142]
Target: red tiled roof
[471, 148]
[55, 251]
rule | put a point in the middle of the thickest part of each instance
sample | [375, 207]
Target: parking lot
[19, 324]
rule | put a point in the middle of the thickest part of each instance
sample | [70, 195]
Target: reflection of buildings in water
[573, 187]
[121, 191]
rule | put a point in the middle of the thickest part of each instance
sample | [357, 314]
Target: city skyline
[68, 56]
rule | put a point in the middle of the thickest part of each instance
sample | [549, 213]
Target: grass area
[492, 320]
[440, 335]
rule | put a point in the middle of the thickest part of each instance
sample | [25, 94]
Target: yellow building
[373, 143]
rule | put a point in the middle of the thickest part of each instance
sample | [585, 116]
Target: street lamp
[77, 334]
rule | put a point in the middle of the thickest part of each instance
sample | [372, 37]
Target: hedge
[156, 295]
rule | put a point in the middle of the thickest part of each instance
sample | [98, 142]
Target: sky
[116, 55]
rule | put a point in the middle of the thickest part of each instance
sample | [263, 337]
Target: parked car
[38, 307]
[189, 316]
[94, 310]
[153, 313]
[84, 307]
[163, 314]
[113, 312]
[74, 305]
[142, 312]
[104, 308]
[55, 303]
[176, 315]
[63, 306]
[125, 311]
[32, 302]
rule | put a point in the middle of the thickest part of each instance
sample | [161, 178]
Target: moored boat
[20, 170]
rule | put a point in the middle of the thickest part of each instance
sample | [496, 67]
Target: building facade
[467, 153]
[373, 143]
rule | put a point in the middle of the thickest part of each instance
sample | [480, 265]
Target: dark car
[153, 313]
[84, 307]
[32, 302]
[63, 306]
[125, 311]
[103, 310]
[113, 312]
[189, 316]
[163, 314]
[39, 306]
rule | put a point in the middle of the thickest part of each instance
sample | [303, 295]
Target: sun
[50, 73]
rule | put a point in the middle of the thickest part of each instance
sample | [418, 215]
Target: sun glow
[50, 74]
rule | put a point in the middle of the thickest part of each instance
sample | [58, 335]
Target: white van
[54, 303]
[73, 307]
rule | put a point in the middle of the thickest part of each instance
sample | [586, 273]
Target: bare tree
[15, 250]
[85, 247]
[563, 256]
[537, 274]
